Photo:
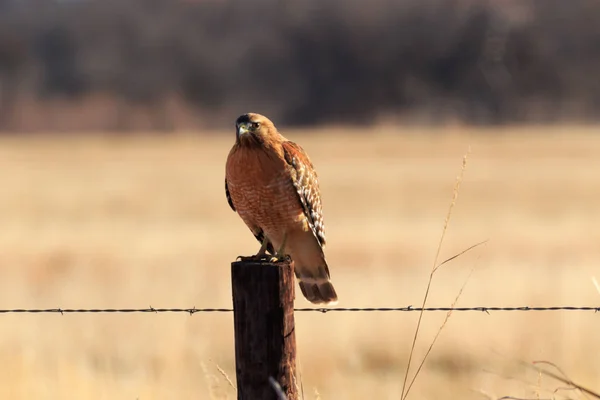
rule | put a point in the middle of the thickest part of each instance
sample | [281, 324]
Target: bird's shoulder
[295, 155]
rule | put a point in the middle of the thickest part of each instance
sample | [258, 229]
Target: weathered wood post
[265, 338]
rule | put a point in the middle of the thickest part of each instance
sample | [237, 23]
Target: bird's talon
[255, 258]
[245, 258]
[276, 259]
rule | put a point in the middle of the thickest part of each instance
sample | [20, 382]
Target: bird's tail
[318, 291]
[315, 284]
[311, 269]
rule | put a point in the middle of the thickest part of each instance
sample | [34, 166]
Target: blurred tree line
[178, 64]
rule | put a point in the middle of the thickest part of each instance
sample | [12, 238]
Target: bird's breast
[262, 189]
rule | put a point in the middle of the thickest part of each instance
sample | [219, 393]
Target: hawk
[272, 185]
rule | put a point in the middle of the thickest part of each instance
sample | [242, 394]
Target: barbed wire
[195, 310]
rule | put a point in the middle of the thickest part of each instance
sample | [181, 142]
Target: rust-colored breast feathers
[260, 188]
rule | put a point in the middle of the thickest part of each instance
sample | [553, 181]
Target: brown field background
[142, 221]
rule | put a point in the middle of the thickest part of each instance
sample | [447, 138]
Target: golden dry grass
[140, 221]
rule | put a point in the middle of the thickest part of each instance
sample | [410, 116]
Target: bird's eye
[256, 125]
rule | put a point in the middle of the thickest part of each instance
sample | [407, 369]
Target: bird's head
[253, 128]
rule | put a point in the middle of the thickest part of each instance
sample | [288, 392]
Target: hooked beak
[242, 129]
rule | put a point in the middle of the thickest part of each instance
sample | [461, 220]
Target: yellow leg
[263, 248]
[280, 253]
[262, 252]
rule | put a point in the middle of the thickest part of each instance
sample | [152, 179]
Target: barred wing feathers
[306, 183]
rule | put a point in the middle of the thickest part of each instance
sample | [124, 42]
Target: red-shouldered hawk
[271, 183]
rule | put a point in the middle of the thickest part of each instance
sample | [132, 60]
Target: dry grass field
[132, 222]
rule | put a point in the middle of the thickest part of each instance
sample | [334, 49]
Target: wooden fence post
[265, 338]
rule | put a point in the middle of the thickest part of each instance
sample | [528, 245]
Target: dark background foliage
[168, 64]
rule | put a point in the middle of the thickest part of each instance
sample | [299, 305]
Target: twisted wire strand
[195, 310]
